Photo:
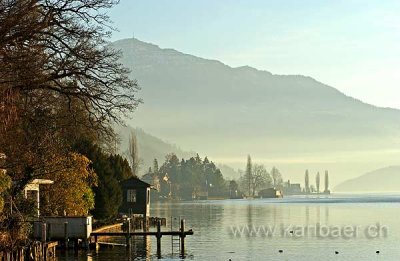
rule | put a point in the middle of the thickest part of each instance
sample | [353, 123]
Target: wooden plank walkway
[125, 234]
[109, 244]
[158, 234]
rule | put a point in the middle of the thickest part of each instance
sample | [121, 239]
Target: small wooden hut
[136, 197]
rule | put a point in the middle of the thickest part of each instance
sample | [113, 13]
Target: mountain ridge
[227, 112]
[379, 180]
[247, 68]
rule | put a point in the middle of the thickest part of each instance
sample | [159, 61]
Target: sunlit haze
[351, 45]
[200, 130]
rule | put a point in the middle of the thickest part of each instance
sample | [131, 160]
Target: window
[131, 195]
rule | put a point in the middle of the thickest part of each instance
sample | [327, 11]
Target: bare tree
[276, 177]
[58, 47]
[56, 65]
[261, 178]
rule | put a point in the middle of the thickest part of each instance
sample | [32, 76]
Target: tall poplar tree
[307, 182]
[326, 182]
[249, 174]
[134, 153]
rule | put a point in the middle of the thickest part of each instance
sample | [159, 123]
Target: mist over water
[338, 227]
[270, 127]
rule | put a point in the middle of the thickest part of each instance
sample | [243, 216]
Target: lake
[336, 227]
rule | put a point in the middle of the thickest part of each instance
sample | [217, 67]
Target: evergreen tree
[198, 159]
[206, 161]
[171, 168]
[188, 178]
[155, 166]
[120, 167]
[110, 171]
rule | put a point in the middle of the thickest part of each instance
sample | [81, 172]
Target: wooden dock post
[159, 239]
[43, 239]
[66, 235]
[94, 245]
[182, 236]
[181, 233]
[44, 232]
[128, 232]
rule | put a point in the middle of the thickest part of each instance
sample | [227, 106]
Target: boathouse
[270, 193]
[63, 228]
[136, 197]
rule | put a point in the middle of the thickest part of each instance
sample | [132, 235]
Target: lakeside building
[270, 193]
[292, 188]
[136, 197]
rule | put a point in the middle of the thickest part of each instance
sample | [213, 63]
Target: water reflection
[140, 247]
[326, 214]
[249, 215]
[212, 220]
[307, 215]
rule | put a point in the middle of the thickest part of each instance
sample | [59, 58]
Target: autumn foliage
[59, 83]
[71, 193]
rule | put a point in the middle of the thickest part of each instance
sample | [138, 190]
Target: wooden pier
[158, 234]
[35, 251]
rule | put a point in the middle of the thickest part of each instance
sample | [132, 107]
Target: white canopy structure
[31, 191]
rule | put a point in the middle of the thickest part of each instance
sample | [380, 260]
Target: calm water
[302, 228]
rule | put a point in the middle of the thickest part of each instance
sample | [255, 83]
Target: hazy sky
[351, 45]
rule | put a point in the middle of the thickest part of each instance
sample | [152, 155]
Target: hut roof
[135, 182]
